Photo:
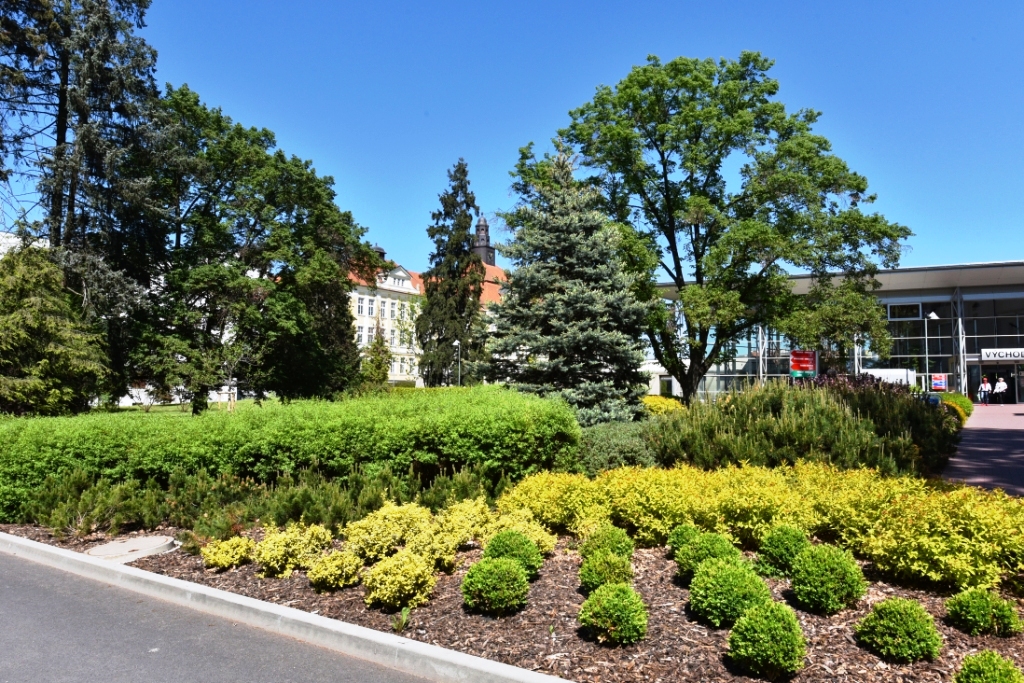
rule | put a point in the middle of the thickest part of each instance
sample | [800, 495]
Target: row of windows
[401, 337]
[397, 312]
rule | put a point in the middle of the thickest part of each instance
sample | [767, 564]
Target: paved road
[57, 627]
[991, 453]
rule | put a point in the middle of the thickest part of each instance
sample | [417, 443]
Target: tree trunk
[57, 200]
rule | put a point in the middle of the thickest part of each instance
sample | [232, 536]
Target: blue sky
[923, 98]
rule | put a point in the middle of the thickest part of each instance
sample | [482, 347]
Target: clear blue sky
[924, 98]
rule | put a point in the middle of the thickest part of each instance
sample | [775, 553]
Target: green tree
[569, 324]
[51, 362]
[376, 362]
[453, 284]
[660, 142]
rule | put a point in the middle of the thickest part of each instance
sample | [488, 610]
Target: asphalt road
[57, 627]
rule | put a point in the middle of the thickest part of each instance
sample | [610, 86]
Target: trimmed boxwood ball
[978, 611]
[495, 585]
[517, 546]
[899, 630]
[682, 536]
[779, 548]
[604, 567]
[767, 641]
[988, 667]
[826, 579]
[705, 547]
[615, 613]
[723, 589]
[607, 537]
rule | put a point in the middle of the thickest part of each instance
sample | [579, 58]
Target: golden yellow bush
[522, 520]
[230, 553]
[296, 547]
[660, 405]
[381, 533]
[465, 521]
[556, 499]
[336, 569]
[403, 580]
[961, 415]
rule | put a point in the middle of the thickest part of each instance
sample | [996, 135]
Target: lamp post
[927, 371]
[458, 352]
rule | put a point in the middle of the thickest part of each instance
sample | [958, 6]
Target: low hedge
[499, 431]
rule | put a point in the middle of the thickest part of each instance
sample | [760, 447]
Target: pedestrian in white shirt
[1000, 390]
[983, 391]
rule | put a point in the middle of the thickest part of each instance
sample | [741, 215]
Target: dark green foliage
[899, 630]
[826, 579]
[723, 589]
[779, 548]
[568, 324]
[704, 547]
[489, 430]
[609, 445]
[452, 284]
[988, 667]
[978, 610]
[616, 614]
[603, 567]
[376, 362]
[496, 585]
[682, 536]
[607, 537]
[518, 547]
[51, 362]
[767, 641]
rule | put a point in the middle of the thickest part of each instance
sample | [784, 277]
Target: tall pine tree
[453, 284]
[568, 324]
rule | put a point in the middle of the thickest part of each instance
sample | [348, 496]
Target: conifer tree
[453, 283]
[376, 362]
[568, 324]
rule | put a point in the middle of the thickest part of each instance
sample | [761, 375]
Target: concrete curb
[409, 656]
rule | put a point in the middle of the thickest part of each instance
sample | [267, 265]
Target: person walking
[1000, 391]
[983, 391]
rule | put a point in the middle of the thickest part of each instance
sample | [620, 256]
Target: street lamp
[927, 371]
[458, 351]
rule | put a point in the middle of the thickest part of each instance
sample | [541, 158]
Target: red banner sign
[803, 363]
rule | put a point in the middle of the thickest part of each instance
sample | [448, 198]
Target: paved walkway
[58, 627]
[991, 453]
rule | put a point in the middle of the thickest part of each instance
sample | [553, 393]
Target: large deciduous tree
[569, 324]
[662, 143]
[453, 283]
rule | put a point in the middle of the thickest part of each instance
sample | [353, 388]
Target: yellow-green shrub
[436, 545]
[557, 500]
[296, 547]
[960, 414]
[403, 580]
[230, 553]
[334, 570]
[465, 521]
[660, 405]
[522, 520]
[381, 533]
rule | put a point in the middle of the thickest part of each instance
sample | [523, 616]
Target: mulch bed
[545, 636]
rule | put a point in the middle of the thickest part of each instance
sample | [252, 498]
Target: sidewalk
[991, 453]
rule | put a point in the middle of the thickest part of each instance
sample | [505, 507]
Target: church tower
[482, 247]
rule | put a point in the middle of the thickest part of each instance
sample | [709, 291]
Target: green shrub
[496, 585]
[516, 546]
[977, 610]
[682, 536]
[705, 547]
[402, 580]
[723, 589]
[956, 398]
[226, 554]
[779, 548]
[296, 547]
[604, 567]
[334, 570]
[988, 667]
[523, 522]
[609, 445]
[899, 630]
[826, 579]
[607, 538]
[435, 431]
[615, 613]
[767, 641]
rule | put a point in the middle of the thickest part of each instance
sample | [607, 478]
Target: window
[401, 312]
[369, 335]
[393, 364]
[401, 365]
[393, 307]
[359, 308]
[904, 311]
[370, 308]
[392, 337]
[665, 385]
[359, 335]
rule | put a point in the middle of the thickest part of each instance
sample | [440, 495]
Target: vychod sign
[1013, 355]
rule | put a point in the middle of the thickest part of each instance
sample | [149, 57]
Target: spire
[482, 247]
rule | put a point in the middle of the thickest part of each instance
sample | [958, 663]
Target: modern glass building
[952, 324]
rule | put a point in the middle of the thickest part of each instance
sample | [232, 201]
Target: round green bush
[723, 589]
[682, 536]
[607, 537]
[779, 548]
[988, 667]
[604, 567]
[517, 546]
[767, 641]
[615, 613]
[978, 611]
[899, 630]
[826, 579]
[495, 585]
[705, 547]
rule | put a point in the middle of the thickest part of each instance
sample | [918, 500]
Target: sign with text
[938, 382]
[1011, 355]
[803, 363]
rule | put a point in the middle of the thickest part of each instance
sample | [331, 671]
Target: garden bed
[545, 635]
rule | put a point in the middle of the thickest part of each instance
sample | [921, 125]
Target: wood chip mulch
[546, 637]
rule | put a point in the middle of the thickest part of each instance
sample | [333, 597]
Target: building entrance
[1013, 375]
